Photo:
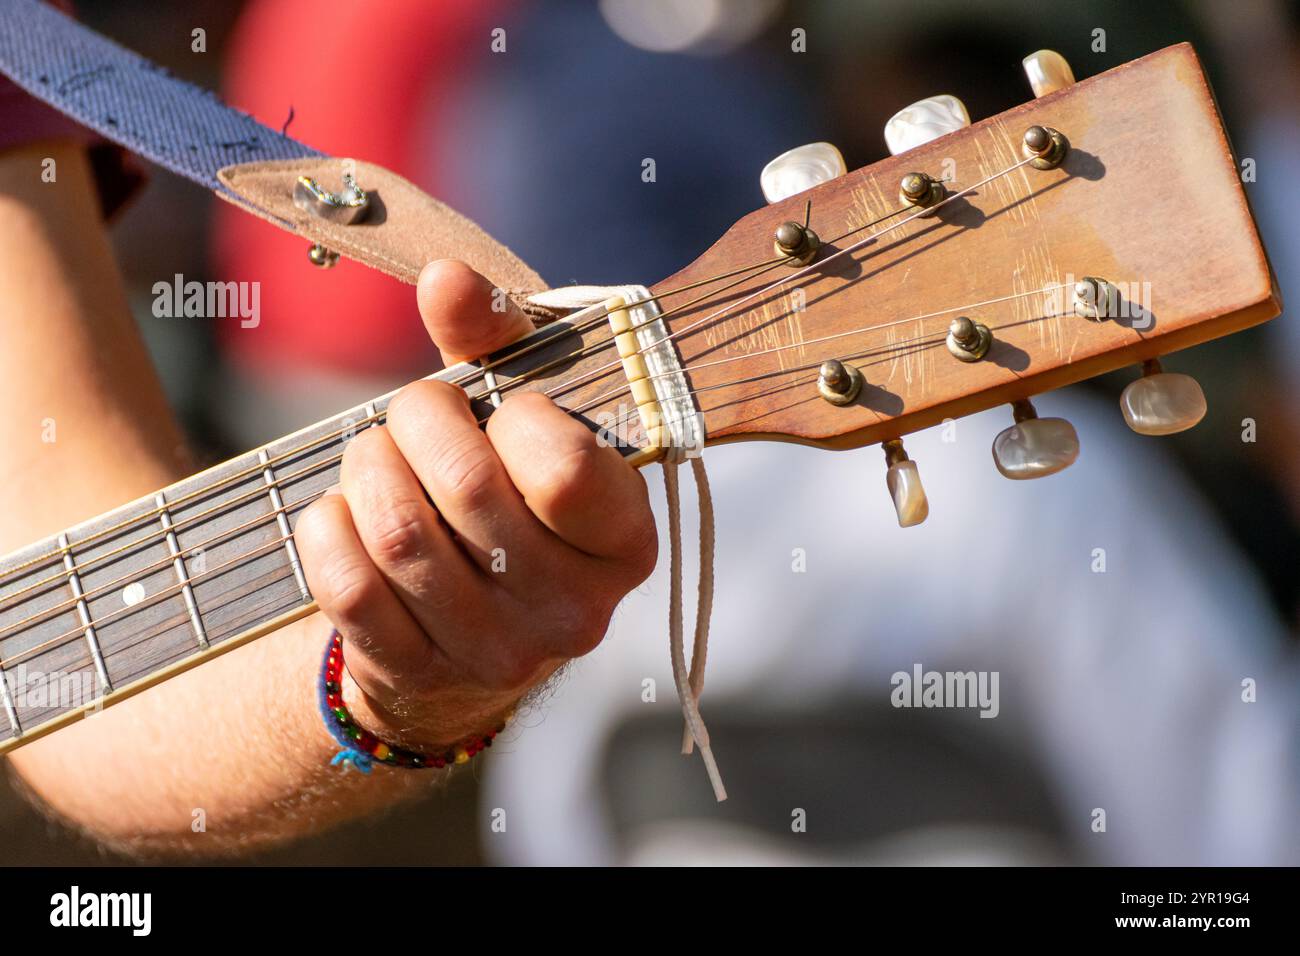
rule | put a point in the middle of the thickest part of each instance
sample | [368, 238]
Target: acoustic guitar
[1102, 224]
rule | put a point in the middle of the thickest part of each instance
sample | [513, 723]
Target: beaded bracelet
[362, 748]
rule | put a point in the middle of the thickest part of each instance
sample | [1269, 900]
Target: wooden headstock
[1148, 197]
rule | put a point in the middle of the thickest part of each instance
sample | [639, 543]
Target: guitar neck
[125, 600]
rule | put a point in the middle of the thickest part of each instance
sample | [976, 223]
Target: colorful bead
[360, 746]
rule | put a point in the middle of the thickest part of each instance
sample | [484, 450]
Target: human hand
[443, 632]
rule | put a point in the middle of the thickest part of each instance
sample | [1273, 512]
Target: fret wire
[371, 420]
[283, 522]
[83, 612]
[11, 711]
[205, 490]
[178, 562]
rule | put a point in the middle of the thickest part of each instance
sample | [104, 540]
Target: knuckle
[346, 585]
[466, 475]
[523, 401]
[568, 479]
[398, 532]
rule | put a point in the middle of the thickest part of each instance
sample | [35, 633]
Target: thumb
[467, 317]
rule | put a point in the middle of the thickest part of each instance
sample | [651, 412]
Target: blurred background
[1123, 694]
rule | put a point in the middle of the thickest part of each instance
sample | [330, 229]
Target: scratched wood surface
[1148, 195]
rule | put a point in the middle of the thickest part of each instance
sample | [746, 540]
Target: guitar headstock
[1118, 193]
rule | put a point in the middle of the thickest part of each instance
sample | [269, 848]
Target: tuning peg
[904, 483]
[1034, 447]
[968, 340]
[1096, 299]
[1047, 71]
[923, 121]
[1162, 403]
[801, 168]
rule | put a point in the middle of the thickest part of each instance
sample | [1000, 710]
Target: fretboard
[115, 604]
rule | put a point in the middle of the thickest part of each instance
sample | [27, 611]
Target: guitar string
[912, 344]
[839, 335]
[79, 632]
[606, 343]
[158, 538]
[479, 376]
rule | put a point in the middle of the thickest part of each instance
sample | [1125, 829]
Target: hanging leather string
[689, 683]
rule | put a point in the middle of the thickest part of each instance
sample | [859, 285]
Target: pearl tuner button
[1034, 447]
[1047, 71]
[904, 483]
[923, 121]
[1162, 403]
[801, 168]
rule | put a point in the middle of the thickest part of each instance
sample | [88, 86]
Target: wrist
[431, 724]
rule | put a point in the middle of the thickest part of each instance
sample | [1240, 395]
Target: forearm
[222, 759]
[239, 738]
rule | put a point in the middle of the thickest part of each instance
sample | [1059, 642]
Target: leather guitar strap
[188, 130]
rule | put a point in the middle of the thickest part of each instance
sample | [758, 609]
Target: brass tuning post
[921, 190]
[839, 383]
[797, 242]
[968, 340]
[1046, 147]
